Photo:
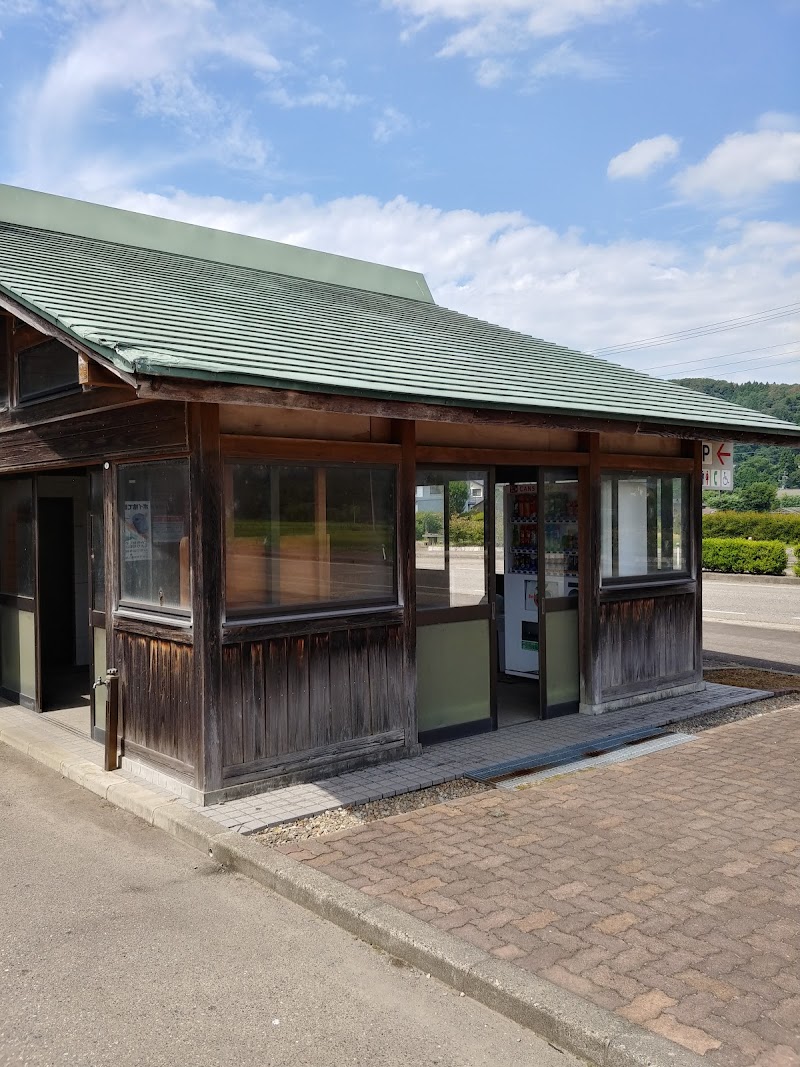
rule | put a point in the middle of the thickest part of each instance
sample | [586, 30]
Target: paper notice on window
[168, 529]
[137, 544]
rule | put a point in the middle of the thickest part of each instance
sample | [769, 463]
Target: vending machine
[521, 582]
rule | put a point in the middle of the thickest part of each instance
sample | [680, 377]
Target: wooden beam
[205, 466]
[220, 393]
[92, 375]
[289, 448]
[447, 455]
[662, 464]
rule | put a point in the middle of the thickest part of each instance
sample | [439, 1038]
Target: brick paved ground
[666, 888]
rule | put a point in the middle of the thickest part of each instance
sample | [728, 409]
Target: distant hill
[756, 463]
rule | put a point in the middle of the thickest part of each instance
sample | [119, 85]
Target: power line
[723, 355]
[769, 366]
[703, 331]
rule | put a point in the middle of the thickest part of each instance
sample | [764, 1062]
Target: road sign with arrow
[718, 465]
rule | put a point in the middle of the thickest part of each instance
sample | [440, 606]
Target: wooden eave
[194, 390]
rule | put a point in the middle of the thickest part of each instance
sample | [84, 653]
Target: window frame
[68, 389]
[234, 618]
[652, 578]
[135, 609]
[433, 614]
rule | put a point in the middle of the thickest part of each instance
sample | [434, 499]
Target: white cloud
[325, 92]
[152, 50]
[778, 120]
[564, 61]
[644, 157]
[509, 269]
[744, 165]
[486, 27]
[492, 72]
[390, 124]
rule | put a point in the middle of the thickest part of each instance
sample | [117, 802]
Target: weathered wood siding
[121, 433]
[300, 701]
[159, 713]
[646, 643]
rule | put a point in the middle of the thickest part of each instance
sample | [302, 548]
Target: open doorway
[536, 573]
[516, 570]
[65, 652]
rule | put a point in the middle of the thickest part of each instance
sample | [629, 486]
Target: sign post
[718, 465]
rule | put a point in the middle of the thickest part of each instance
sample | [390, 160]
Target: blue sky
[596, 172]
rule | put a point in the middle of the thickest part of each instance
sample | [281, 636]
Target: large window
[644, 523]
[451, 539]
[46, 369]
[153, 509]
[308, 536]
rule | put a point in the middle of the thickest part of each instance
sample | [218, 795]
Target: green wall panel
[453, 674]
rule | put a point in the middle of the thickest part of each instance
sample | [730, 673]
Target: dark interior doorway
[65, 681]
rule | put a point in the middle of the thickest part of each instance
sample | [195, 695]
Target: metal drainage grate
[558, 756]
[619, 755]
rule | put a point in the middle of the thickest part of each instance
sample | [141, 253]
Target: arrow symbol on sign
[722, 456]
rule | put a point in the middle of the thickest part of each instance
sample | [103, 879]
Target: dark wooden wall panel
[308, 693]
[114, 433]
[159, 714]
[646, 643]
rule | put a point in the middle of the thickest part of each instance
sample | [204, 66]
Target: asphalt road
[120, 946]
[752, 621]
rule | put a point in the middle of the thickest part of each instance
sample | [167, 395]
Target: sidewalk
[438, 763]
[665, 889]
[411, 926]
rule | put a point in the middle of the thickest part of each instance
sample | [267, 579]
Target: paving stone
[669, 938]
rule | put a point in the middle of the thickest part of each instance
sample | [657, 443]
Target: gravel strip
[741, 711]
[753, 678]
[331, 822]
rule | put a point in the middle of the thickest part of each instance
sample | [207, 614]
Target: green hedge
[736, 555]
[428, 522]
[466, 529]
[760, 525]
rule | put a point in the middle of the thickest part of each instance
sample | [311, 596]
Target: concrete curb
[564, 1019]
[747, 579]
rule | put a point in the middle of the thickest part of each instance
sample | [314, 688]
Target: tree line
[759, 470]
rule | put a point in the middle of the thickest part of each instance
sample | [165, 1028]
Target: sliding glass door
[454, 525]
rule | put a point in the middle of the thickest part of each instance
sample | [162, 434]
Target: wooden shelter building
[311, 517]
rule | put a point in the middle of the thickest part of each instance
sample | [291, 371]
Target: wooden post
[205, 468]
[111, 591]
[589, 573]
[404, 432]
[112, 720]
[696, 536]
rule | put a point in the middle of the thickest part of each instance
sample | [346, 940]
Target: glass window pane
[433, 572]
[298, 536]
[560, 533]
[451, 538]
[97, 541]
[16, 531]
[153, 508]
[47, 368]
[644, 525]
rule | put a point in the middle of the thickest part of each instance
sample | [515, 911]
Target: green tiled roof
[156, 313]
